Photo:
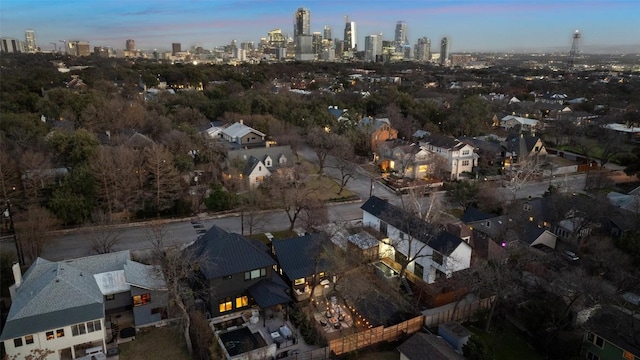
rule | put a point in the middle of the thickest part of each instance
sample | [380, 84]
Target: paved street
[182, 231]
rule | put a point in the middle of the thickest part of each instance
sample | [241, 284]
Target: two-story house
[410, 161]
[65, 306]
[459, 157]
[428, 253]
[241, 270]
[377, 130]
[302, 262]
[256, 164]
[611, 333]
[520, 148]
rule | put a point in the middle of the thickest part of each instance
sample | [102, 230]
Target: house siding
[142, 314]
[235, 287]
[67, 341]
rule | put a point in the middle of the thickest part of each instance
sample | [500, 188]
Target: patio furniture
[285, 332]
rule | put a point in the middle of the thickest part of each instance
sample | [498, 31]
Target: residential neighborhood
[308, 210]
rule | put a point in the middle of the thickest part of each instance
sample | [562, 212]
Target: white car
[569, 255]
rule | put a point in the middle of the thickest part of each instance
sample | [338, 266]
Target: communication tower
[575, 49]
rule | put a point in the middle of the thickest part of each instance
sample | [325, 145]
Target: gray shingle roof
[443, 141]
[473, 214]
[617, 327]
[144, 276]
[225, 253]
[52, 295]
[97, 264]
[261, 153]
[419, 345]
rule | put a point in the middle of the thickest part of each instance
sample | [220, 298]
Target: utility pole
[371, 188]
[55, 47]
[8, 213]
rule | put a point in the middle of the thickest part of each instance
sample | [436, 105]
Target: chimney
[241, 122]
[17, 274]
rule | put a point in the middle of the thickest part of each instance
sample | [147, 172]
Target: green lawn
[155, 343]
[507, 344]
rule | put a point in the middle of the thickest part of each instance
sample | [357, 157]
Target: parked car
[569, 255]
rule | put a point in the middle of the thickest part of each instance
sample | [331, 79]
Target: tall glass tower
[401, 38]
[302, 22]
[350, 36]
[444, 51]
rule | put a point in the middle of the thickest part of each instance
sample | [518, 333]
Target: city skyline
[469, 25]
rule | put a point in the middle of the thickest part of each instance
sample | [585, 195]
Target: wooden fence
[462, 312]
[375, 335]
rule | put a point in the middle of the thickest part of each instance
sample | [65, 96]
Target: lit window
[50, 335]
[242, 301]
[298, 281]
[17, 342]
[60, 333]
[139, 300]
[28, 339]
[110, 297]
[530, 218]
[225, 305]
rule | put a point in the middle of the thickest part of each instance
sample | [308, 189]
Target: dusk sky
[470, 25]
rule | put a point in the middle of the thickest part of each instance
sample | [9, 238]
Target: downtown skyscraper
[30, 41]
[302, 35]
[401, 37]
[423, 49]
[350, 37]
[444, 51]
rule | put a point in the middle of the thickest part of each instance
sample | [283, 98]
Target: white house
[510, 121]
[459, 157]
[260, 163]
[430, 255]
[63, 306]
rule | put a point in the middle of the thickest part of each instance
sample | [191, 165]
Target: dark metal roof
[473, 214]
[443, 242]
[299, 257]
[225, 253]
[443, 141]
[270, 292]
[420, 344]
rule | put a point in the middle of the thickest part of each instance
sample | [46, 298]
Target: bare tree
[9, 176]
[344, 162]
[178, 268]
[103, 236]
[323, 144]
[521, 174]
[293, 195]
[35, 168]
[164, 178]
[33, 231]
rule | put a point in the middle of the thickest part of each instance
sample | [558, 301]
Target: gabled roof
[420, 344]
[270, 292]
[531, 232]
[473, 214]
[52, 295]
[443, 242]
[252, 163]
[225, 253]
[617, 327]
[371, 124]
[517, 143]
[144, 276]
[482, 144]
[238, 130]
[336, 112]
[274, 152]
[299, 257]
[444, 142]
